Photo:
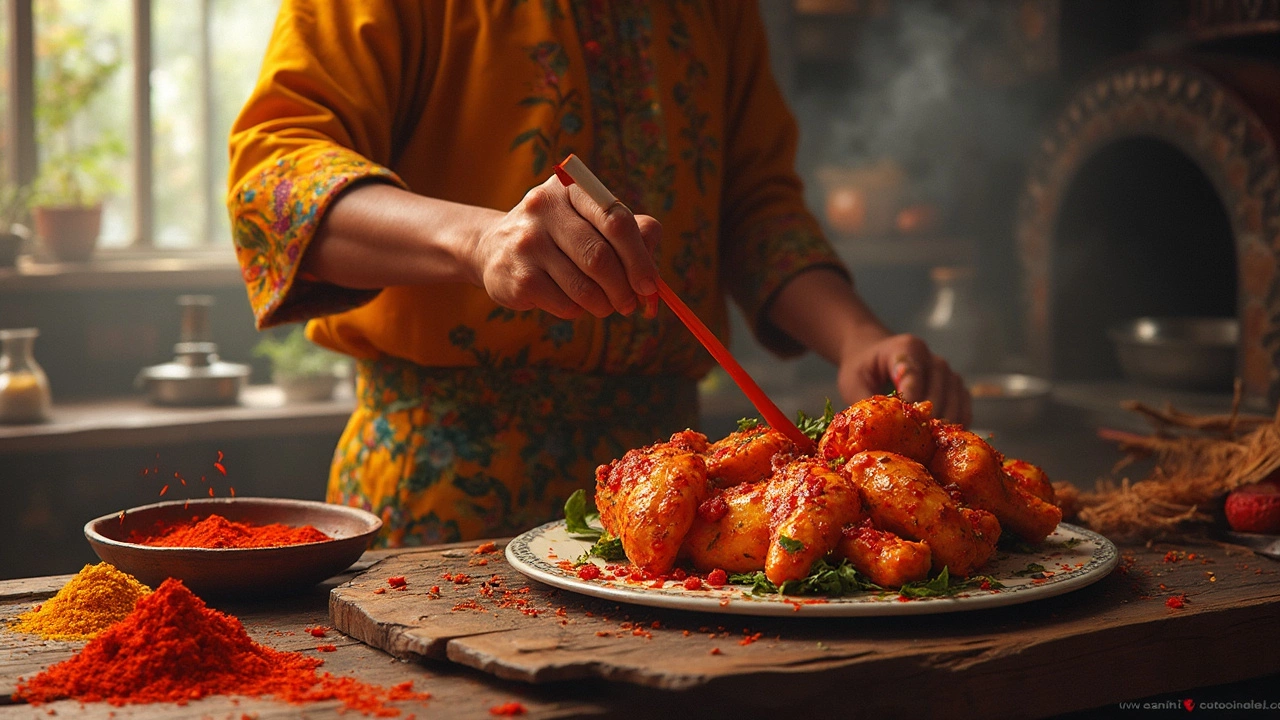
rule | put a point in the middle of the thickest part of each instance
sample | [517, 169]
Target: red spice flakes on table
[398, 582]
[317, 631]
[508, 708]
[1176, 601]
[147, 658]
[748, 639]
[603, 633]
[327, 648]
[379, 591]
[715, 651]
[215, 531]
[467, 605]
[485, 548]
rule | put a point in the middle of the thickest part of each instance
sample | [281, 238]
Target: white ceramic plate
[1072, 558]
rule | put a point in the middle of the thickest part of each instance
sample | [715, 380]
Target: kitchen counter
[1116, 640]
[133, 422]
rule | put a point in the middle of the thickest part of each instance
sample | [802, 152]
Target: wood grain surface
[1111, 641]
[473, 646]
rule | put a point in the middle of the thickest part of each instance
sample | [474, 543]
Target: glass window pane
[179, 153]
[84, 108]
[239, 30]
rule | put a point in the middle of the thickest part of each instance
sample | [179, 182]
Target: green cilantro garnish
[823, 579]
[1030, 569]
[814, 427]
[745, 424]
[607, 548]
[943, 585]
[791, 545]
[1072, 542]
[578, 516]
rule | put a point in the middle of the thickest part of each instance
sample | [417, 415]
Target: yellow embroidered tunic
[475, 419]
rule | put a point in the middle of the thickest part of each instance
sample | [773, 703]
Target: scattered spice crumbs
[317, 631]
[715, 651]
[1176, 601]
[485, 548]
[327, 648]
[379, 591]
[508, 708]
[397, 581]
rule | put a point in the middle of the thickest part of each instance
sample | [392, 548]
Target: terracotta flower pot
[70, 232]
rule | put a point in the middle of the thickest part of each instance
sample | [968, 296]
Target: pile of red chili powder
[216, 531]
[173, 648]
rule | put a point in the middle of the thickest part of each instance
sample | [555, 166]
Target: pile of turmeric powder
[97, 597]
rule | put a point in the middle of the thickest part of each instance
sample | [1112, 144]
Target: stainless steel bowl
[1008, 400]
[1189, 353]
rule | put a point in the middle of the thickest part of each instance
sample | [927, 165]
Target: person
[391, 183]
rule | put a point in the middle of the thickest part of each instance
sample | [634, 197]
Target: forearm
[377, 235]
[821, 310]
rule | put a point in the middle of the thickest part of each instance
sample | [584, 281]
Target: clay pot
[70, 232]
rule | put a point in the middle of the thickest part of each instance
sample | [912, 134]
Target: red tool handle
[573, 170]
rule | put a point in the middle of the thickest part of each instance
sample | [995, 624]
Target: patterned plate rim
[732, 599]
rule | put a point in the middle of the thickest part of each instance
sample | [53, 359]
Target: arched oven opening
[1140, 231]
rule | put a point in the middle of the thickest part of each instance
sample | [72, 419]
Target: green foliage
[295, 356]
[791, 545]
[74, 67]
[578, 516]
[943, 585]
[745, 424]
[814, 427]
[607, 547]
[823, 579]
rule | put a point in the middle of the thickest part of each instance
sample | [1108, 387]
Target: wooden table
[562, 655]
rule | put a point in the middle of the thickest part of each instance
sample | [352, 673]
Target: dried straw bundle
[1197, 459]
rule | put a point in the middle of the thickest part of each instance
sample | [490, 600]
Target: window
[131, 103]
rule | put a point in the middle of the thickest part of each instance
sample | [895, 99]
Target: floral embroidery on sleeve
[274, 215]
[773, 251]
[566, 106]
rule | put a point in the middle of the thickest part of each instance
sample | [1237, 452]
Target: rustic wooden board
[281, 623]
[1112, 641]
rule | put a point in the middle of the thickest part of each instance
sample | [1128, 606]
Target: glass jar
[954, 324]
[24, 388]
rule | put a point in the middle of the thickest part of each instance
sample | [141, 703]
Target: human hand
[559, 251]
[904, 362]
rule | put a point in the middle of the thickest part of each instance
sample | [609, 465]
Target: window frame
[21, 166]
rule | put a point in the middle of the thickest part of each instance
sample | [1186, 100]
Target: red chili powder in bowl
[216, 531]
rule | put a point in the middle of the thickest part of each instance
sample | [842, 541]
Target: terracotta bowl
[232, 572]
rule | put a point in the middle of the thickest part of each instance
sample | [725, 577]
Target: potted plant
[305, 371]
[75, 169]
[13, 205]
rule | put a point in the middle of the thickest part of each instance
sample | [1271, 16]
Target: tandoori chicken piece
[730, 530]
[1030, 478]
[650, 496]
[886, 559]
[746, 455]
[808, 504]
[903, 498]
[966, 460]
[881, 422]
